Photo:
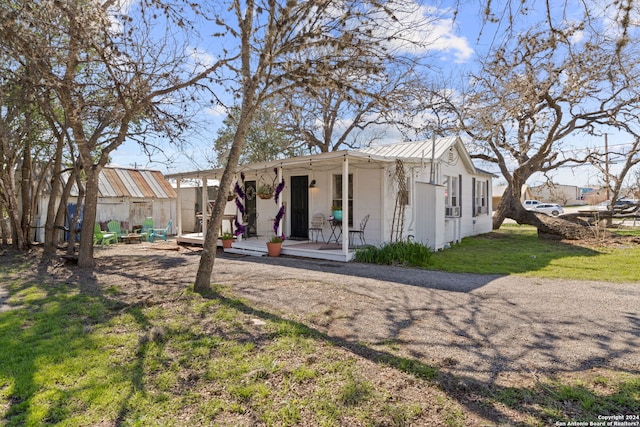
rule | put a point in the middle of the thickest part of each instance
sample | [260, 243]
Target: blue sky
[456, 44]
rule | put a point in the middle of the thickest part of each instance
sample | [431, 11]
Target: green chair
[147, 229]
[114, 227]
[101, 237]
[160, 232]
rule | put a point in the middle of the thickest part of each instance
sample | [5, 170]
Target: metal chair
[317, 223]
[359, 231]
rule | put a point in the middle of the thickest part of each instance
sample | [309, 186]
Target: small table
[336, 231]
[132, 238]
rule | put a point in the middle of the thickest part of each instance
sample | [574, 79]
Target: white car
[530, 204]
[549, 209]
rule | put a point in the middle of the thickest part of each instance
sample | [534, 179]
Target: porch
[257, 246]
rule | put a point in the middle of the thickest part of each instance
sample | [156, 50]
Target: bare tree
[533, 96]
[279, 45]
[114, 74]
[22, 136]
[329, 119]
[628, 154]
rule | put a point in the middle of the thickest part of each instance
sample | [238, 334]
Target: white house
[427, 191]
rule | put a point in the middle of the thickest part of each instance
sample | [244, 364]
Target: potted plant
[274, 245]
[337, 212]
[227, 240]
[265, 191]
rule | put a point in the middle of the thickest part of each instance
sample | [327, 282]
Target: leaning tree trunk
[207, 259]
[548, 226]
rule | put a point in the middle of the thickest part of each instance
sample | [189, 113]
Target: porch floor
[257, 246]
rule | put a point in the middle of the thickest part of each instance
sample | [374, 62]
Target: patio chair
[147, 229]
[160, 232]
[101, 237]
[353, 232]
[114, 227]
[317, 223]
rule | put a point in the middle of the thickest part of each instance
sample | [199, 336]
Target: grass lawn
[516, 249]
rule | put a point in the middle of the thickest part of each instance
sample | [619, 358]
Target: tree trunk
[17, 235]
[548, 226]
[26, 177]
[4, 230]
[205, 268]
[85, 254]
[51, 233]
[73, 222]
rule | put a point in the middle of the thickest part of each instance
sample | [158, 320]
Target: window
[451, 191]
[337, 194]
[452, 196]
[481, 201]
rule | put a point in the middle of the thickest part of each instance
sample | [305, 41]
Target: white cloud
[422, 29]
[217, 111]
[201, 57]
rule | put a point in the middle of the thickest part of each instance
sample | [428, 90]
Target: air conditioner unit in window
[453, 211]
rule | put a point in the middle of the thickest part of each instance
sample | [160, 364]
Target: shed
[126, 195]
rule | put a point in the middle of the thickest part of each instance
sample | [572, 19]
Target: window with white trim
[481, 201]
[451, 195]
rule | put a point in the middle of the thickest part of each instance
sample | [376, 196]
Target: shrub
[406, 253]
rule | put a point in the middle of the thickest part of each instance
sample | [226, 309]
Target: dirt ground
[489, 330]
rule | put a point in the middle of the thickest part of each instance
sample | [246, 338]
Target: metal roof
[414, 150]
[135, 183]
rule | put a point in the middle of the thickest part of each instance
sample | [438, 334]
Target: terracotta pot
[226, 244]
[274, 248]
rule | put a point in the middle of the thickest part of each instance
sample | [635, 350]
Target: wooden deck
[257, 246]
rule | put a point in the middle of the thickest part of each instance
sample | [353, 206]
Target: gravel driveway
[490, 328]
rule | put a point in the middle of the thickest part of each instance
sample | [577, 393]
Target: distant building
[565, 195]
[498, 191]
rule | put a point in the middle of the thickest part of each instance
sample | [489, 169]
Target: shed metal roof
[135, 183]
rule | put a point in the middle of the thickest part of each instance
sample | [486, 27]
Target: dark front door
[300, 207]
[250, 205]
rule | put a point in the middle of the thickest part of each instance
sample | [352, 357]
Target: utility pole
[606, 163]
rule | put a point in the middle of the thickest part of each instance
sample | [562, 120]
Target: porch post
[280, 201]
[204, 206]
[178, 209]
[345, 208]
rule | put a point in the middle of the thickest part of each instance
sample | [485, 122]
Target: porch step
[239, 251]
